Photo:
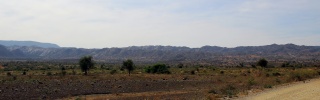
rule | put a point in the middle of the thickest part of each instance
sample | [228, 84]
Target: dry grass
[208, 83]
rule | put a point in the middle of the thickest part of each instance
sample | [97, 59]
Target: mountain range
[28, 43]
[206, 54]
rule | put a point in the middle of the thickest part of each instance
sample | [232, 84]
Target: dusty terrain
[204, 83]
[119, 87]
[307, 90]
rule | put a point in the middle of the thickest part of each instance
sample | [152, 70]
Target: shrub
[49, 73]
[253, 66]
[278, 80]
[147, 69]
[9, 74]
[229, 90]
[180, 65]
[24, 73]
[158, 69]
[193, 72]
[14, 77]
[113, 72]
[221, 72]
[267, 86]
[267, 75]
[302, 75]
[63, 73]
[248, 71]
[213, 91]
[296, 77]
[276, 74]
[74, 72]
[251, 82]
[107, 68]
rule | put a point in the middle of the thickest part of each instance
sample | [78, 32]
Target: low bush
[230, 90]
[113, 71]
[213, 91]
[63, 73]
[278, 80]
[24, 73]
[74, 72]
[158, 69]
[267, 75]
[49, 73]
[193, 72]
[276, 74]
[267, 86]
[303, 75]
[251, 82]
[221, 72]
[9, 74]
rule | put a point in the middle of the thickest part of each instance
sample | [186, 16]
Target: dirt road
[309, 90]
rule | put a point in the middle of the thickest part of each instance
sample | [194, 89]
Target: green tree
[86, 63]
[129, 65]
[262, 62]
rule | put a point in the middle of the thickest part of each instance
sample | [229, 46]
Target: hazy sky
[193, 23]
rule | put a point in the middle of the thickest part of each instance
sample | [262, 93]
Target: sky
[192, 23]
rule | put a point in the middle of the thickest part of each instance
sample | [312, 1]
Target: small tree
[180, 65]
[263, 62]
[86, 63]
[128, 64]
[63, 71]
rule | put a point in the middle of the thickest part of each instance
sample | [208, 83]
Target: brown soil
[58, 87]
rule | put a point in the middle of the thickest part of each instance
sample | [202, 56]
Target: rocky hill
[207, 54]
[28, 43]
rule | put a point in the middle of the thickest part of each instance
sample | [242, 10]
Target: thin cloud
[194, 23]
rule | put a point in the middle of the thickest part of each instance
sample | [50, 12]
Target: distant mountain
[208, 54]
[4, 52]
[28, 43]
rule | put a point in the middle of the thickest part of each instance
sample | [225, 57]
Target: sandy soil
[308, 90]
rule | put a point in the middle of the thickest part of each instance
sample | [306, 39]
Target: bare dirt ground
[116, 88]
[307, 90]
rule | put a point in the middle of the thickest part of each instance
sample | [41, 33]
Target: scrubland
[25, 80]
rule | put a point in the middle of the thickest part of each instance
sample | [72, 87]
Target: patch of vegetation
[267, 86]
[113, 71]
[192, 72]
[276, 74]
[9, 74]
[251, 82]
[49, 73]
[24, 73]
[158, 69]
[213, 91]
[222, 72]
[230, 91]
